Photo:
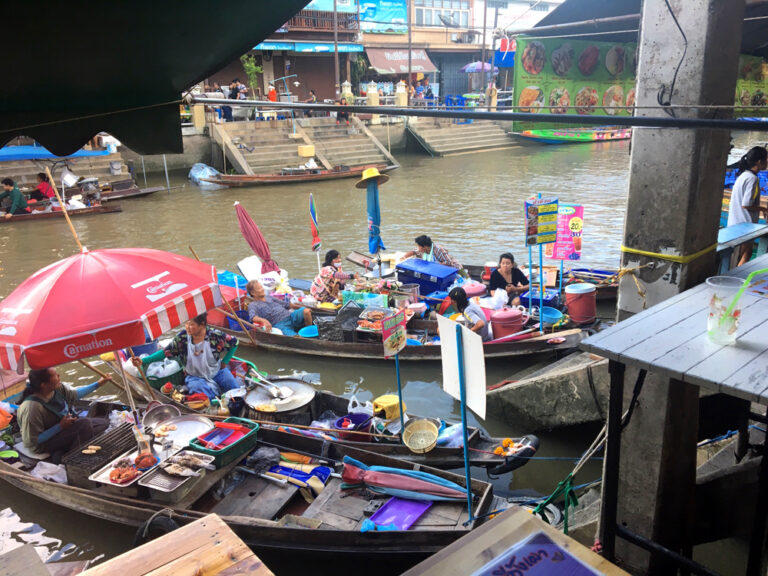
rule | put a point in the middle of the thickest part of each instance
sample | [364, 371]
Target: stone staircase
[24, 172]
[267, 147]
[442, 137]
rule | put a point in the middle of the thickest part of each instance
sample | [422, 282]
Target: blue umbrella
[371, 180]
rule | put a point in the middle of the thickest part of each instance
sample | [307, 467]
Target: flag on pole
[316, 243]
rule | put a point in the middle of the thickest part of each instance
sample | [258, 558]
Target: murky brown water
[471, 204]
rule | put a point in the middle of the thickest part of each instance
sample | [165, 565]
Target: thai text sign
[540, 221]
[393, 333]
[384, 16]
[570, 225]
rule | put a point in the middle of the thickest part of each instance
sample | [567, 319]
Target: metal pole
[144, 170]
[167, 182]
[608, 510]
[530, 279]
[336, 47]
[560, 290]
[408, 5]
[541, 289]
[399, 394]
[485, 18]
[463, 396]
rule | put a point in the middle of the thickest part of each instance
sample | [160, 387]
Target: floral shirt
[323, 288]
[223, 345]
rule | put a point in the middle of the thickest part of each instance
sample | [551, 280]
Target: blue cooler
[551, 298]
[227, 278]
[430, 276]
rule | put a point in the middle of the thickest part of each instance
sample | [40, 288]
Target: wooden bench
[732, 236]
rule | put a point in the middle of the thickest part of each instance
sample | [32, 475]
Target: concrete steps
[444, 138]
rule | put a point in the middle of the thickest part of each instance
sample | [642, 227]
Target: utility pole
[408, 4]
[336, 47]
[485, 17]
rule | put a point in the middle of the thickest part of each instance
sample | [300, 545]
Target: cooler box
[430, 276]
[227, 278]
[551, 298]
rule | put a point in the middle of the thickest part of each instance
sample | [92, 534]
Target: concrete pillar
[372, 99]
[198, 117]
[675, 193]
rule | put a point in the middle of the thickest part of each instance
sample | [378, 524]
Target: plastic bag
[119, 417]
[47, 471]
[451, 437]
[357, 407]
[325, 420]
[129, 368]
[167, 367]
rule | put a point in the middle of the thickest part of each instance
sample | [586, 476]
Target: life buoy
[155, 527]
[524, 449]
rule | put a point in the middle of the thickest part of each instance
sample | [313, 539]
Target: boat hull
[576, 136]
[94, 210]
[239, 180]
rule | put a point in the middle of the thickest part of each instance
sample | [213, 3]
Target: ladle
[275, 391]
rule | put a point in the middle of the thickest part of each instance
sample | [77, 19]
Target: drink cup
[722, 325]
[576, 236]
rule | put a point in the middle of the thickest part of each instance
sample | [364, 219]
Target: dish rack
[165, 487]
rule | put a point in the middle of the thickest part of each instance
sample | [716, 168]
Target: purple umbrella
[479, 67]
[255, 240]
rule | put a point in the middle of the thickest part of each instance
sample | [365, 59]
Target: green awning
[73, 69]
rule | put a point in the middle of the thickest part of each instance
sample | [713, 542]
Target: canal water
[471, 204]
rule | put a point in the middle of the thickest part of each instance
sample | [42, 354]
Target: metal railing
[314, 20]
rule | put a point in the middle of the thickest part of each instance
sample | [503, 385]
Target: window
[456, 11]
[539, 7]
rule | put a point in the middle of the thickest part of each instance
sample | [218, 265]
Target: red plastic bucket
[581, 300]
[506, 322]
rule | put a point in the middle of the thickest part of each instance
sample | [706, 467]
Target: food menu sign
[540, 221]
[393, 333]
[573, 77]
[570, 227]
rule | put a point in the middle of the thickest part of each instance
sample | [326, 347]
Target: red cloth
[354, 475]
[46, 189]
[101, 301]
[255, 240]
[272, 95]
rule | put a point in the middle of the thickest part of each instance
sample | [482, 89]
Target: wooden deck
[204, 547]
[492, 540]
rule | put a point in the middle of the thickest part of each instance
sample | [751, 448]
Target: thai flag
[316, 243]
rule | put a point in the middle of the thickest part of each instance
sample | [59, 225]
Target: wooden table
[491, 540]
[731, 236]
[671, 339]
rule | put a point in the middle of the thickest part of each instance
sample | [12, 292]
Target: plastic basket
[176, 379]
[234, 324]
[329, 328]
[230, 453]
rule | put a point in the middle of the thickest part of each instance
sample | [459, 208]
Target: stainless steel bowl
[159, 413]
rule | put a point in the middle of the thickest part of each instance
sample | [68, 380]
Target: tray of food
[173, 478]
[124, 470]
[181, 429]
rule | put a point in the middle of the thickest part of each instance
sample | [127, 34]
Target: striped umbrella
[316, 242]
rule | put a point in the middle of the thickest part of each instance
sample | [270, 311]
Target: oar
[286, 425]
[232, 311]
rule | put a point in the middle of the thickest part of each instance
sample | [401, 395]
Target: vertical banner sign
[540, 221]
[570, 226]
[393, 333]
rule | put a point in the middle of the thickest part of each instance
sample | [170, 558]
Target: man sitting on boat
[326, 285]
[432, 252]
[18, 202]
[286, 317]
[204, 353]
[45, 415]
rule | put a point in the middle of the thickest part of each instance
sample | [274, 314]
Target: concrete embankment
[569, 392]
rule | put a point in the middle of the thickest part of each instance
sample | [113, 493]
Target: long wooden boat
[537, 345]
[277, 523]
[576, 135]
[126, 189]
[92, 211]
[288, 175]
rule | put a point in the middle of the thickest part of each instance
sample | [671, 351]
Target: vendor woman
[204, 353]
[326, 285]
[46, 417]
[510, 278]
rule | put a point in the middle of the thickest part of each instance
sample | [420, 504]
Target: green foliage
[252, 70]
[357, 68]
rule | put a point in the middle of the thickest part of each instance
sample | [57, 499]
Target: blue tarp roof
[9, 153]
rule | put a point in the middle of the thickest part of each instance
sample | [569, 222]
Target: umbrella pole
[319, 268]
[127, 387]
[232, 311]
[399, 395]
[63, 207]
[463, 392]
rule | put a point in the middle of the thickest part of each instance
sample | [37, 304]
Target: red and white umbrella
[101, 301]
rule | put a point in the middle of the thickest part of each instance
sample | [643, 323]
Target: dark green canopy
[71, 69]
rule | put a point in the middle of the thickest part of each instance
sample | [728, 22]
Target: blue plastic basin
[550, 315]
[308, 332]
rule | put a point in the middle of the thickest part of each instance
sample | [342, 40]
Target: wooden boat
[290, 175]
[536, 345]
[92, 211]
[577, 135]
[126, 189]
[276, 522]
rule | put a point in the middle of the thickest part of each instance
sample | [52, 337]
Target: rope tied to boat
[148, 523]
[566, 490]
[632, 272]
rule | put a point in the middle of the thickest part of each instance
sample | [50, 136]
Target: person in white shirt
[745, 195]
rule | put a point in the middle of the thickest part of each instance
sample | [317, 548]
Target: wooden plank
[206, 546]
[22, 561]
[334, 520]
[251, 565]
[749, 382]
[731, 236]
[492, 539]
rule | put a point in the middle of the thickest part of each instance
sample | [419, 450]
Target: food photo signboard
[751, 87]
[570, 227]
[574, 77]
[540, 221]
[393, 333]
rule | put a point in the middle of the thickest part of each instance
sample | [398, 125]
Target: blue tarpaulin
[504, 59]
[9, 153]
